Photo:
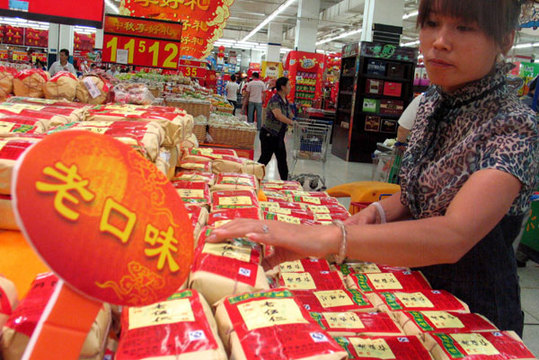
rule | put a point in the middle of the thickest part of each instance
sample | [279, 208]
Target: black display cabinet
[375, 86]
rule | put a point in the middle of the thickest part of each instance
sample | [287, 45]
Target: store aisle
[339, 172]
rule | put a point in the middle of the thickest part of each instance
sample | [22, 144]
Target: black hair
[65, 51]
[255, 75]
[233, 77]
[496, 18]
[281, 82]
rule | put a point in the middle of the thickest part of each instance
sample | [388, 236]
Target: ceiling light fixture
[272, 16]
[112, 6]
[340, 36]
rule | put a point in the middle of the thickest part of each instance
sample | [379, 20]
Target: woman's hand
[291, 242]
[367, 216]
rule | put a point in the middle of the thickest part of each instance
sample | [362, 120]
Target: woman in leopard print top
[466, 177]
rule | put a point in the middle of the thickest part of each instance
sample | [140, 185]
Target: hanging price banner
[142, 42]
[194, 69]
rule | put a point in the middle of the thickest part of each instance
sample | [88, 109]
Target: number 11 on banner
[142, 52]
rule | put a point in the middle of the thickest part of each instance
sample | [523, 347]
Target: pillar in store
[275, 37]
[256, 56]
[245, 59]
[386, 12]
[98, 39]
[60, 37]
[307, 25]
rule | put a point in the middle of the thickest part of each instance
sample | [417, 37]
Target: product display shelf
[375, 87]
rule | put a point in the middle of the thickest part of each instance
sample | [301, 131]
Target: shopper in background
[63, 64]
[40, 65]
[407, 120]
[231, 92]
[112, 71]
[528, 98]
[255, 93]
[467, 175]
[274, 129]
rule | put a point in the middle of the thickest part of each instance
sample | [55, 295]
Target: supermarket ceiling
[337, 17]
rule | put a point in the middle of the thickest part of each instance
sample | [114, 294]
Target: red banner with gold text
[202, 21]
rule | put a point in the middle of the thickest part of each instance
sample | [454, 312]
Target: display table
[20, 263]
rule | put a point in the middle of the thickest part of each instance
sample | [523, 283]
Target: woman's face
[455, 52]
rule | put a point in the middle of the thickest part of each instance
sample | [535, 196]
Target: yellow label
[33, 107]
[196, 166]
[241, 253]
[319, 209]
[236, 180]
[291, 266]
[269, 205]
[168, 312]
[193, 177]
[6, 127]
[2, 143]
[364, 268]
[385, 281]
[205, 151]
[289, 219]
[323, 217]
[343, 320]
[311, 200]
[15, 108]
[221, 223]
[372, 348]
[94, 129]
[270, 312]
[281, 211]
[443, 320]
[18, 108]
[96, 123]
[126, 111]
[414, 300]
[333, 298]
[191, 193]
[475, 344]
[298, 281]
[235, 201]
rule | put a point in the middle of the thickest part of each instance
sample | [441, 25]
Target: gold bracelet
[339, 258]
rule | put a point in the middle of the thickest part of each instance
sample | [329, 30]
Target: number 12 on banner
[142, 52]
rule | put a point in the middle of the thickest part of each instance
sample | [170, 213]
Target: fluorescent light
[409, 15]
[340, 36]
[112, 6]
[272, 16]
[411, 43]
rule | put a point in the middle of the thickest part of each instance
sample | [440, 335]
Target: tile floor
[340, 172]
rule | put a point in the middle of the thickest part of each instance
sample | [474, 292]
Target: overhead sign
[149, 43]
[87, 13]
[103, 218]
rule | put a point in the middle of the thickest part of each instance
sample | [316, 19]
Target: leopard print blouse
[480, 126]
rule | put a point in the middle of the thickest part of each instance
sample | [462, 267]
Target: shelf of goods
[304, 309]
[305, 72]
[375, 86]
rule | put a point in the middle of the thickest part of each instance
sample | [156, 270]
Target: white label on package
[92, 88]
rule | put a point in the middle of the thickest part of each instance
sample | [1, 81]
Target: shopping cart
[311, 142]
